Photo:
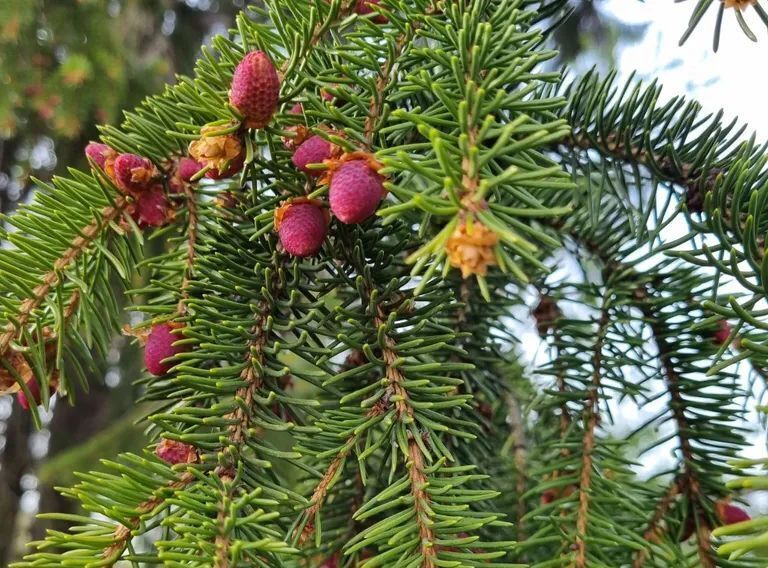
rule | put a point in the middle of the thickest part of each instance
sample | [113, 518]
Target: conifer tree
[358, 199]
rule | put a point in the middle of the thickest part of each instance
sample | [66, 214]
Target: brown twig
[251, 379]
[591, 419]
[377, 100]
[192, 223]
[655, 529]
[681, 174]
[416, 471]
[690, 480]
[517, 432]
[421, 502]
[122, 534]
[72, 304]
[320, 492]
[53, 277]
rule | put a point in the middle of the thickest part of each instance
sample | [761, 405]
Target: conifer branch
[689, 481]
[387, 70]
[375, 106]
[519, 446]
[189, 262]
[253, 381]
[319, 31]
[656, 528]
[123, 533]
[427, 96]
[240, 421]
[667, 145]
[421, 502]
[683, 175]
[222, 542]
[320, 492]
[416, 466]
[54, 277]
[591, 420]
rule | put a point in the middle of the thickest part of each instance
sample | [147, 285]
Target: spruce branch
[343, 8]
[397, 456]
[520, 454]
[714, 174]
[657, 527]
[124, 532]
[388, 68]
[591, 415]
[479, 154]
[689, 482]
[692, 183]
[404, 413]
[578, 474]
[252, 379]
[416, 474]
[421, 499]
[700, 466]
[676, 143]
[238, 430]
[320, 493]
[189, 259]
[54, 278]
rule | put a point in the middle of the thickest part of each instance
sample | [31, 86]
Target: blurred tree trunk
[16, 460]
[70, 427]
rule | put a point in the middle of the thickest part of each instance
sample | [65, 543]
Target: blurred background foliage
[65, 66]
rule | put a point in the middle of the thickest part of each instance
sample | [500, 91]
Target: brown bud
[546, 314]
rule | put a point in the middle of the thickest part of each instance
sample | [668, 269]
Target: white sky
[734, 78]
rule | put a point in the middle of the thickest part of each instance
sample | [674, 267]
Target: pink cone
[302, 229]
[174, 452]
[188, 168]
[34, 390]
[133, 173]
[313, 150]
[363, 8]
[731, 514]
[151, 208]
[98, 153]
[720, 337]
[160, 346]
[356, 191]
[255, 89]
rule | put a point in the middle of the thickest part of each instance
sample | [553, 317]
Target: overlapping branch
[591, 420]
